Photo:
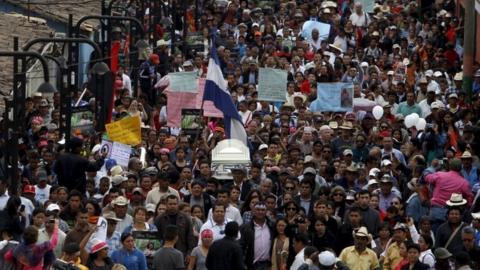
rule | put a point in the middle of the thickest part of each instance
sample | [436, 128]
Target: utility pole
[468, 46]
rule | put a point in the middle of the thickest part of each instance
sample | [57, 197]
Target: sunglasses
[338, 194]
[327, 151]
[289, 188]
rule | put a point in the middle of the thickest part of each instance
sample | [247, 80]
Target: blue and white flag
[216, 91]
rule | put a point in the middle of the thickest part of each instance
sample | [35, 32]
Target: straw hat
[456, 199]
[363, 232]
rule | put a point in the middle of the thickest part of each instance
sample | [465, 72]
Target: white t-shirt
[361, 20]
[42, 194]
[232, 213]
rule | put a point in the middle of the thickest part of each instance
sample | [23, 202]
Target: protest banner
[272, 84]
[333, 97]
[118, 151]
[125, 131]
[148, 243]
[179, 99]
[367, 5]
[183, 81]
[209, 109]
[121, 153]
[323, 29]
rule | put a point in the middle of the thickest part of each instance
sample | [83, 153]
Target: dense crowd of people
[325, 190]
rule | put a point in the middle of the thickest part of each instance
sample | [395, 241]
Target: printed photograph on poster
[191, 121]
[82, 120]
[346, 98]
[333, 97]
[148, 243]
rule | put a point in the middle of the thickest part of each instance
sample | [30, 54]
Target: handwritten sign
[368, 5]
[272, 84]
[118, 151]
[121, 153]
[126, 131]
[333, 97]
[183, 81]
[323, 29]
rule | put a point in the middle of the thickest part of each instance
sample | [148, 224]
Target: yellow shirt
[367, 260]
[392, 256]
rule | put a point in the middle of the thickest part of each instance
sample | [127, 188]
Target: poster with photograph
[333, 97]
[82, 120]
[191, 121]
[148, 243]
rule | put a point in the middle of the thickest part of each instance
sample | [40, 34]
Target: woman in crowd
[139, 221]
[281, 245]
[199, 253]
[98, 258]
[129, 256]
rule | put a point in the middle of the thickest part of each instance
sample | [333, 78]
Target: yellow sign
[126, 131]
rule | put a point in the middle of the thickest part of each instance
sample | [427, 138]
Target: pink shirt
[445, 184]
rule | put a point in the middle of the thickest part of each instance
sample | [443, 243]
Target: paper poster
[333, 97]
[192, 121]
[272, 84]
[126, 130]
[82, 121]
[121, 153]
[323, 29]
[148, 243]
[118, 151]
[106, 147]
[367, 5]
[100, 233]
[183, 81]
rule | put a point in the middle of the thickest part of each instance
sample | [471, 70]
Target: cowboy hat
[300, 95]
[346, 125]
[466, 155]
[456, 199]
[363, 232]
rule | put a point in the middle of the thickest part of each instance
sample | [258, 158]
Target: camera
[63, 265]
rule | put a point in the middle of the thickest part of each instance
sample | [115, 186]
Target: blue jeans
[437, 216]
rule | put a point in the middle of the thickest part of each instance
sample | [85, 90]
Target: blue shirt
[471, 176]
[132, 260]
[476, 87]
[405, 109]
